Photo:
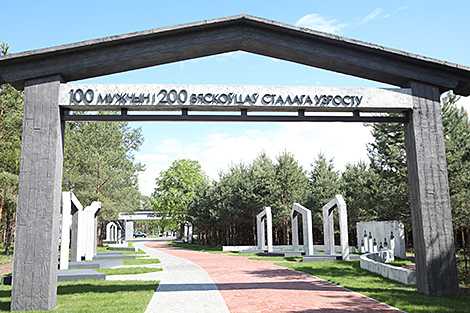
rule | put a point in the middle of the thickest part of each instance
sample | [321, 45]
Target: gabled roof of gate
[137, 50]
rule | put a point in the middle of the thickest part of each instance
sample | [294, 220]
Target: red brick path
[259, 286]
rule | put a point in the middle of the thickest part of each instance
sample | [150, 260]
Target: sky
[430, 28]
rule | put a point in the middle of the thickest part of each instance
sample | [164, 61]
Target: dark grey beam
[433, 239]
[246, 33]
[244, 117]
[38, 212]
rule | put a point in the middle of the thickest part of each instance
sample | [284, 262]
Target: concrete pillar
[343, 227]
[129, 230]
[306, 227]
[436, 271]
[328, 230]
[269, 222]
[295, 232]
[328, 227]
[70, 209]
[90, 222]
[65, 233]
[77, 246]
[260, 227]
[38, 209]
[265, 215]
[188, 232]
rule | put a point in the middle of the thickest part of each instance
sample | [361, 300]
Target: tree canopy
[99, 165]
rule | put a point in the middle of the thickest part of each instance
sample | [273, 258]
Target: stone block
[97, 264]
[72, 275]
[113, 257]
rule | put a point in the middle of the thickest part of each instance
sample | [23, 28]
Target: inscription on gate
[227, 97]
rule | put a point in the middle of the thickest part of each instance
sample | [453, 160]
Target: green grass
[244, 254]
[399, 262]
[128, 270]
[89, 296]
[6, 259]
[140, 261]
[407, 298]
[139, 251]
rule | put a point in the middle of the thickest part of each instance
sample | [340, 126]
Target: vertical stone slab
[65, 234]
[265, 215]
[295, 231]
[78, 232]
[343, 227]
[436, 271]
[307, 230]
[38, 211]
[260, 228]
[90, 222]
[129, 230]
[269, 222]
[328, 230]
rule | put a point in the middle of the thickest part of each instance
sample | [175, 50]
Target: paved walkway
[246, 286]
[184, 286]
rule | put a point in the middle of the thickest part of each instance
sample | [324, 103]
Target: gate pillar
[39, 195]
[436, 271]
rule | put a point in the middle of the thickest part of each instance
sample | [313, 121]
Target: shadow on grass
[85, 288]
[111, 288]
[351, 276]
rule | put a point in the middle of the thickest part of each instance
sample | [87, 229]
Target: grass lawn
[351, 276]
[128, 270]
[96, 296]
[140, 261]
[105, 249]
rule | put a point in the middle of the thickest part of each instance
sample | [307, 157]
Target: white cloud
[397, 10]
[345, 142]
[372, 15]
[317, 22]
[333, 26]
[465, 103]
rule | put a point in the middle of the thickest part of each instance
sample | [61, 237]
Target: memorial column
[436, 271]
[38, 210]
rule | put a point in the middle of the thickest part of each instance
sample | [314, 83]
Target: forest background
[224, 211]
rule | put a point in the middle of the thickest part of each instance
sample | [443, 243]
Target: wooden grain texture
[38, 210]
[238, 33]
[429, 195]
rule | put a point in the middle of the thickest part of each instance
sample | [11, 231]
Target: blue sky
[430, 28]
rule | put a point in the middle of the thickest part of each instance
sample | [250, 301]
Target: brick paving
[260, 286]
[184, 286]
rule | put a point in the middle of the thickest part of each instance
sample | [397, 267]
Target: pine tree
[11, 121]
[99, 165]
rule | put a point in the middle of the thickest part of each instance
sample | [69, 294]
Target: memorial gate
[49, 99]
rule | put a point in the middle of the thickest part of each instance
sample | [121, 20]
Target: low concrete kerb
[402, 275]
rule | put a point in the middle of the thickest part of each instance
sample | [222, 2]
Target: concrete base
[112, 257]
[250, 251]
[274, 253]
[293, 253]
[6, 280]
[122, 249]
[72, 275]
[67, 275]
[396, 273]
[327, 257]
[96, 264]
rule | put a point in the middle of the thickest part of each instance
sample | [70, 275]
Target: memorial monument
[265, 215]
[328, 227]
[45, 76]
[307, 230]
